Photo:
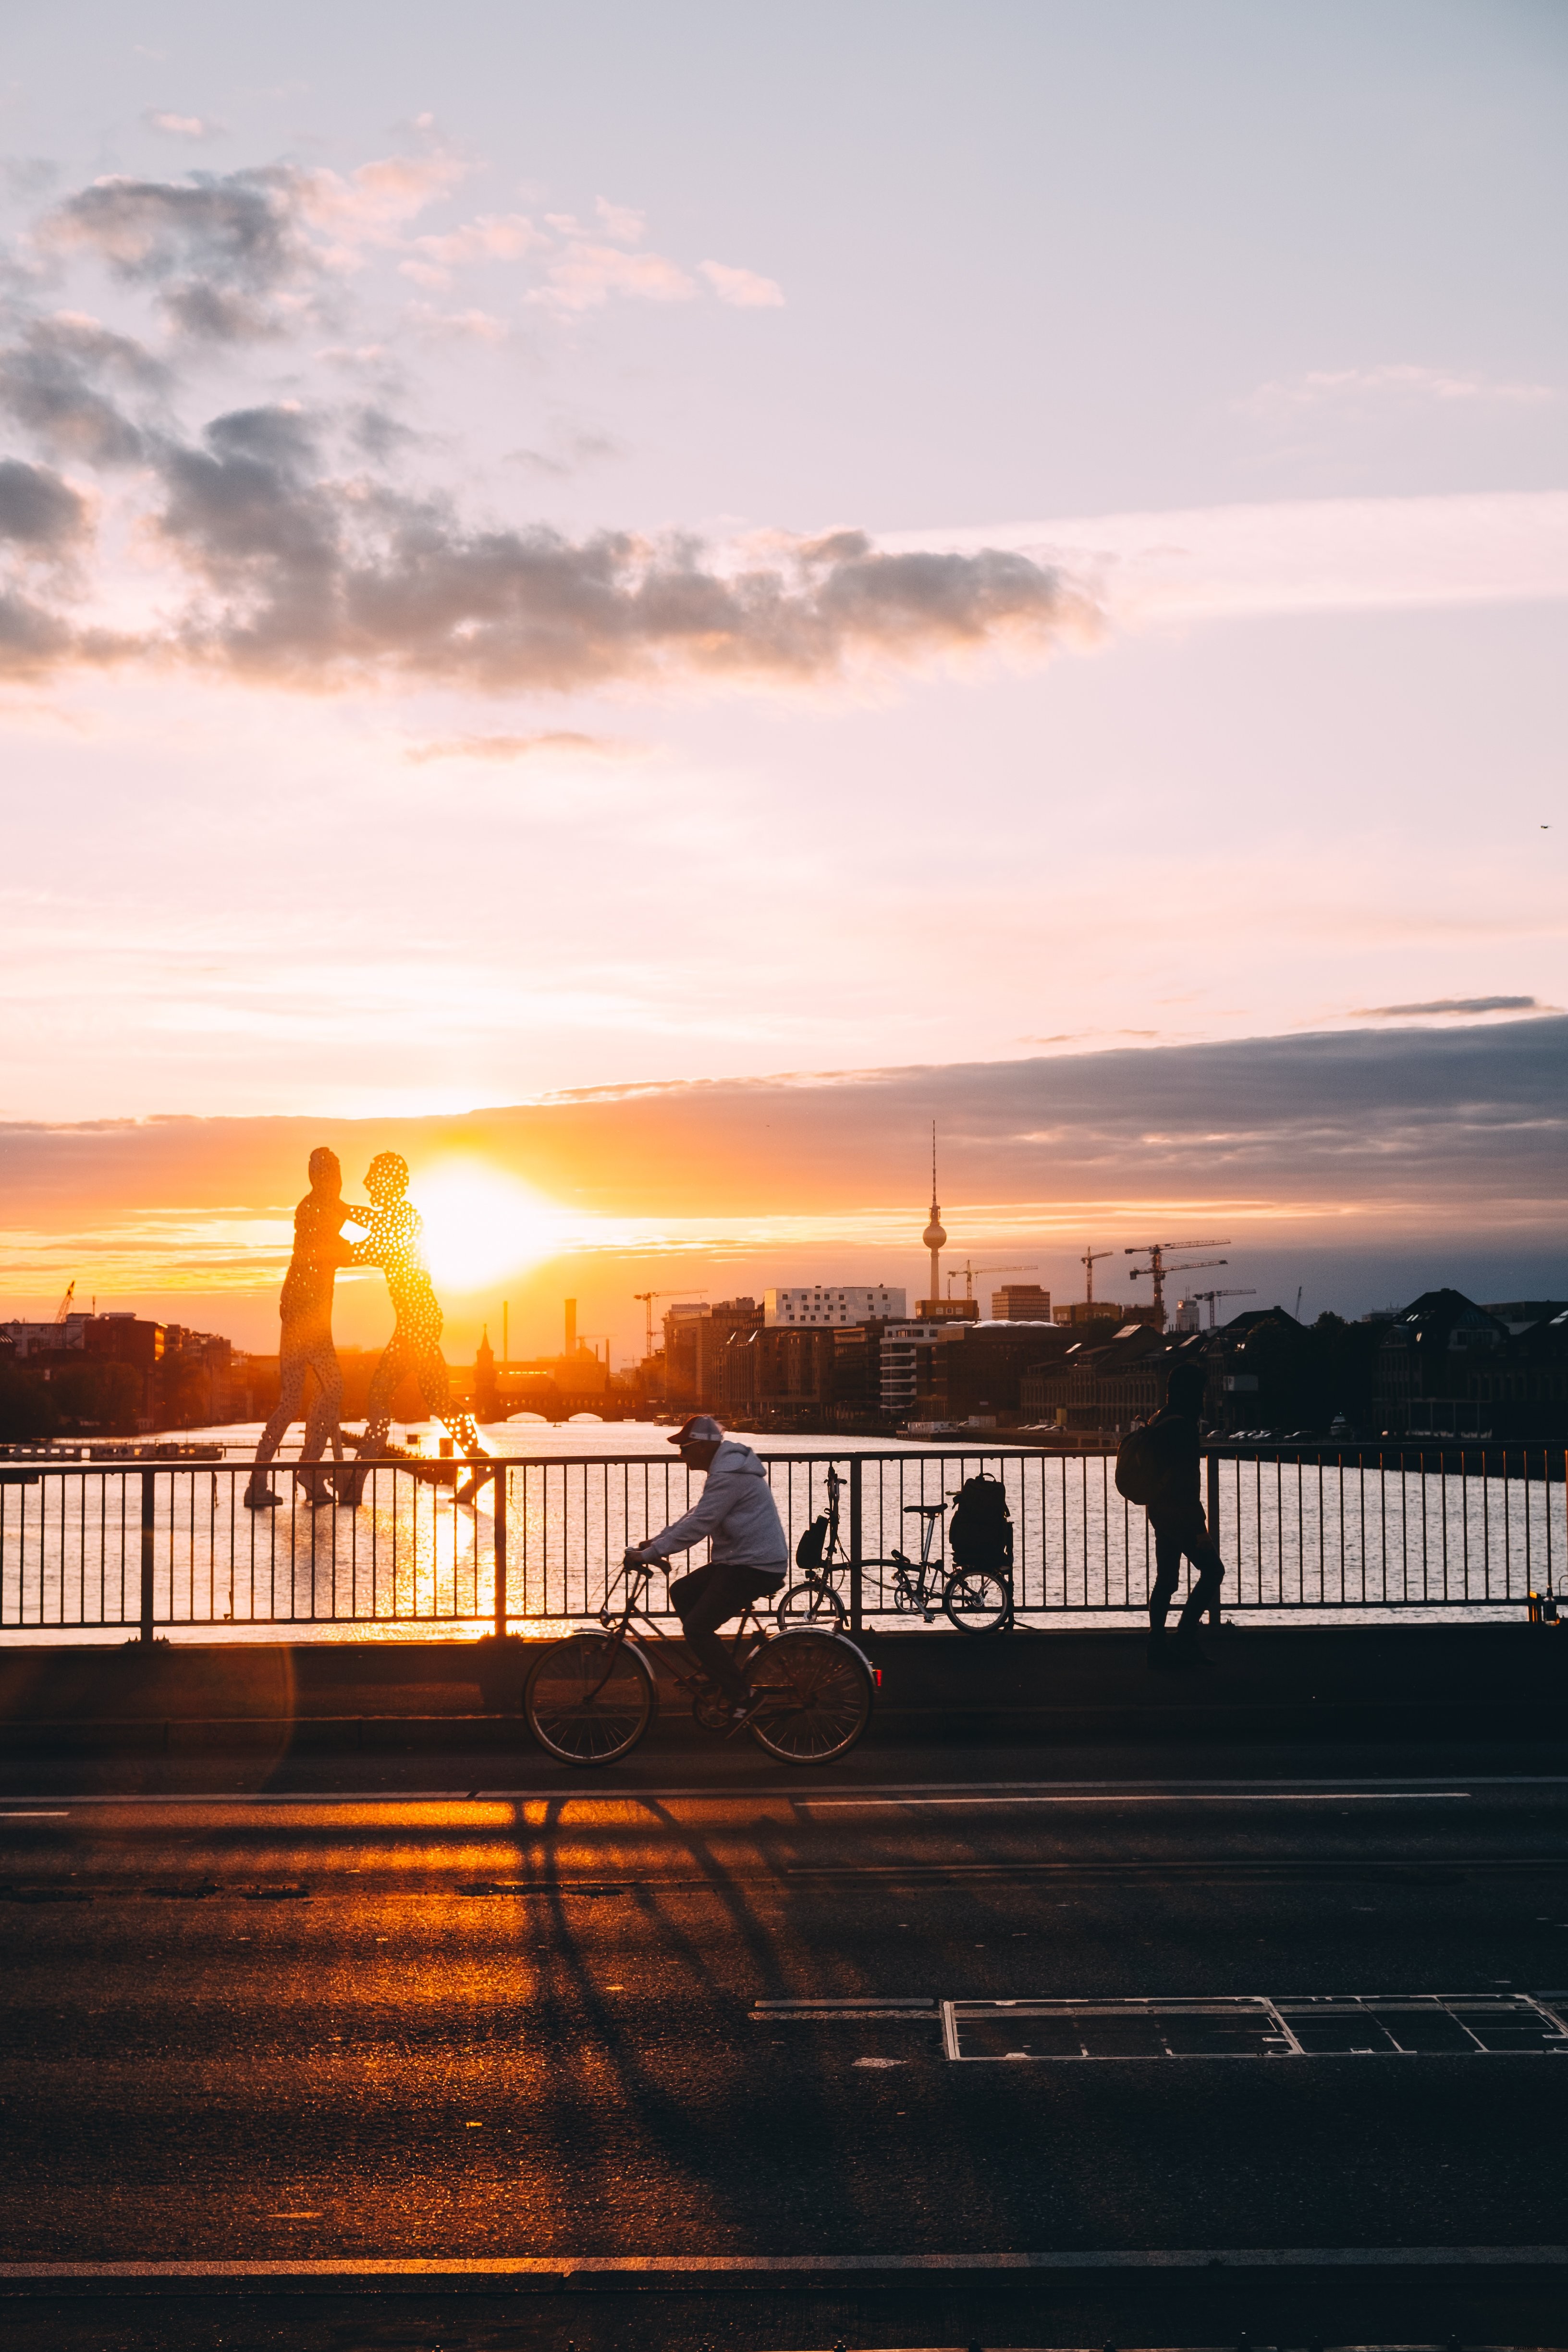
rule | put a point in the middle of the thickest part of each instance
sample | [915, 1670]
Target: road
[471, 2023]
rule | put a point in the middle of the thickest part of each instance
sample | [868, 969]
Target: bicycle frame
[621, 1637]
[915, 1579]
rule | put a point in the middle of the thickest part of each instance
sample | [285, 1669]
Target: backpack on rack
[1140, 1471]
[981, 1531]
[808, 1551]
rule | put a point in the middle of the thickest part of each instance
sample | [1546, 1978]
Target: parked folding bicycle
[590, 1698]
[977, 1600]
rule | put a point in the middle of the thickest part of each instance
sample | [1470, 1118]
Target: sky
[551, 553]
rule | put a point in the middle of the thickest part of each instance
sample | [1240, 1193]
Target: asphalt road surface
[469, 2024]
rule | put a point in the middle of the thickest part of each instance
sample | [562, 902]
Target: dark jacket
[1173, 1437]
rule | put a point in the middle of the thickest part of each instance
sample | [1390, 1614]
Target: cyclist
[750, 1557]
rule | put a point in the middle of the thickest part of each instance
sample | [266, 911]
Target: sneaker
[1186, 1657]
[1159, 1653]
[262, 1499]
[745, 1712]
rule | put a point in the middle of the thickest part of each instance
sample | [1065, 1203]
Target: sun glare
[480, 1223]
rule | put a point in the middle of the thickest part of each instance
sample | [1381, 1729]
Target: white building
[837, 1303]
[44, 1338]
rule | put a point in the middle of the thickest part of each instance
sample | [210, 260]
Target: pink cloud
[587, 275]
[742, 288]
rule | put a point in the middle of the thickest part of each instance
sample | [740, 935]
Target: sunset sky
[641, 600]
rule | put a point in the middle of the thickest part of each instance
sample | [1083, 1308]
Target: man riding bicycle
[749, 1558]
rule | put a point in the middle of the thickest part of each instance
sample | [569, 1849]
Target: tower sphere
[934, 1236]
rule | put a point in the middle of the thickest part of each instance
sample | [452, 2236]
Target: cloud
[492, 236]
[1342, 386]
[742, 288]
[560, 744]
[620, 221]
[39, 511]
[1307, 555]
[182, 126]
[315, 582]
[306, 577]
[1442, 1006]
[587, 274]
[52, 382]
[234, 256]
[1347, 1138]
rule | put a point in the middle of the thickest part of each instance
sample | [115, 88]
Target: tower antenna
[935, 1237]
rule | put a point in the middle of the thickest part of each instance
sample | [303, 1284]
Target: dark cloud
[37, 511]
[314, 580]
[1401, 1135]
[215, 246]
[1437, 1005]
[1468, 1123]
[52, 382]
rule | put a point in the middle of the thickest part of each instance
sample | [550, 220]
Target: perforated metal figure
[305, 1341]
[395, 1243]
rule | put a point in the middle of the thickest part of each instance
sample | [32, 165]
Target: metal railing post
[857, 1494]
[149, 1495]
[500, 1525]
[1213, 1492]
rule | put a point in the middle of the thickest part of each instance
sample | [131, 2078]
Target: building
[1103, 1310]
[1103, 1383]
[953, 1369]
[1428, 1361]
[1020, 1302]
[1519, 1391]
[183, 1379]
[696, 1336]
[834, 1304]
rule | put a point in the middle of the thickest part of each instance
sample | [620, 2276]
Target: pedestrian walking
[1168, 1466]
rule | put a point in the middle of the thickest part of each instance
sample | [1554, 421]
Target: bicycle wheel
[807, 1604]
[817, 1697]
[978, 1601]
[589, 1699]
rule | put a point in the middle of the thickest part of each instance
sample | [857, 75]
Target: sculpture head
[386, 1178]
[326, 1171]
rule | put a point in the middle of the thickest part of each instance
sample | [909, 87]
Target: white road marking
[1170, 1797]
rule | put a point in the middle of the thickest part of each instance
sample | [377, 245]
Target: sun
[480, 1223]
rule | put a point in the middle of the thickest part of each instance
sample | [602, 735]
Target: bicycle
[977, 1600]
[590, 1698]
[813, 1599]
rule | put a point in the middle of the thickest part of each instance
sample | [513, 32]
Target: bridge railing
[149, 1547]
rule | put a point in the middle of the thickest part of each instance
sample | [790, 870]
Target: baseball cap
[701, 1430]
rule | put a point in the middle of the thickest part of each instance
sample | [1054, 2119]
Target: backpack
[981, 1531]
[1140, 1472]
[808, 1551]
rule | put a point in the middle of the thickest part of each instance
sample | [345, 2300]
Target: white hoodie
[736, 1509]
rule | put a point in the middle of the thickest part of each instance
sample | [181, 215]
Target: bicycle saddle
[924, 1510]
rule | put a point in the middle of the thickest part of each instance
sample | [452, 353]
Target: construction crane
[648, 1298]
[1209, 1297]
[1156, 1253]
[1088, 1262]
[64, 1308]
[971, 1271]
